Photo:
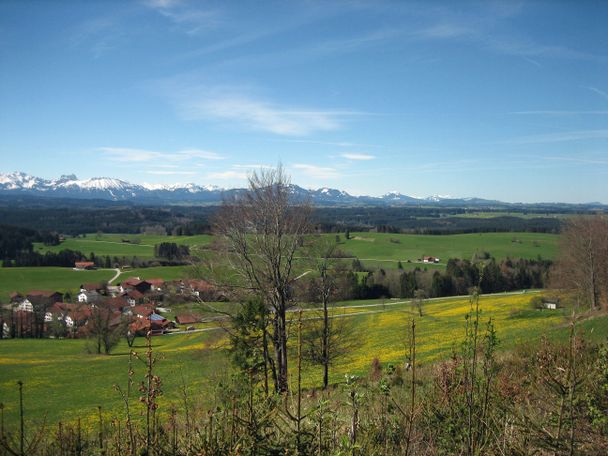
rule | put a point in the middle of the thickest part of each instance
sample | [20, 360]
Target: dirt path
[116, 276]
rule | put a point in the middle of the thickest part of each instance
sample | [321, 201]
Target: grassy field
[375, 249]
[66, 279]
[141, 246]
[65, 382]
[51, 278]
[528, 215]
[403, 247]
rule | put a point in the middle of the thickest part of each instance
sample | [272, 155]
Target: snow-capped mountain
[105, 188]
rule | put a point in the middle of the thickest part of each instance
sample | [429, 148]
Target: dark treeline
[63, 258]
[15, 239]
[109, 218]
[457, 280]
[171, 251]
[428, 221]
[77, 217]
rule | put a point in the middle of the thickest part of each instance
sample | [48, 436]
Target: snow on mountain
[18, 180]
[69, 186]
[97, 183]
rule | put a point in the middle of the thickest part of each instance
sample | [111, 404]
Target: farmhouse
[51, 296]
[430, 259]
[135, 283]
[88, 296]
[186, 319]
[91, 287]
[156, 284]
[133, 297]
[25, 306]
[84, 265]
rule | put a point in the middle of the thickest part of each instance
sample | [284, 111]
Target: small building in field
[84, 265]
[430, 259]
[186, 319]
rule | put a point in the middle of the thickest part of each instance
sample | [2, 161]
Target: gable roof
[91, 286]
[186, 319]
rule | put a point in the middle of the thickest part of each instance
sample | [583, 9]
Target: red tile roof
[186, 319]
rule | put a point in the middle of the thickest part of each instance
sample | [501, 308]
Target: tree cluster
[171, 251]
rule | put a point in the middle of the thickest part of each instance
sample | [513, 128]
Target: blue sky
[505, 100]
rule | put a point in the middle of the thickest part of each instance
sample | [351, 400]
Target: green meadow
[114, 245]
[63, 381]
[47, 278]
[382, 248]
[403, 247]
[67, 279]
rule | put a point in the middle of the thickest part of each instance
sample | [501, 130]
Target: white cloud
[170, 173]
[356, 156]
[261, 115]
[316, 172]
[228, 175]
[189, 20]
[253, 167]
[560, 113]
[125, 154]
[601, 93]
[580, 135]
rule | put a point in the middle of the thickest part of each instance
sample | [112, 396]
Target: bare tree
[105, 328]
[419, 298]
[325, 338]
[262, 229]
[582, 264]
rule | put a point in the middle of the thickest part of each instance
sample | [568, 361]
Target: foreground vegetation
[193, 402]
[53, 369]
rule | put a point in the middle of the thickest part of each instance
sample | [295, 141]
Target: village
[135, 306]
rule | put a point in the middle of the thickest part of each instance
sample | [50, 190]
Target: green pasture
[63, 381]
[67, 279]
[47, 278]
[114, 245]
[527, 215]
[402, 247]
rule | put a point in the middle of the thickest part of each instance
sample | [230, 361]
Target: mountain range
[105, 188]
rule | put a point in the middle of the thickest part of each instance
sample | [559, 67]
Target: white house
[88, 296]
[25, 306]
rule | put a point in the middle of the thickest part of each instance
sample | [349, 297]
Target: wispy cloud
[171, 173]
[230, 174]
[253, 166]
[357, 156]
[580, 135]
[601, 93]
[489, 30]
[262, 115]
[579, 160]
[444, 31]
[189, 19]
[100, 35]
[316, 172]
[559, 113]
[124, 154]
[328, 143]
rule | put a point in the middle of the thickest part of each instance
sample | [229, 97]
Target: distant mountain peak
[107, 188]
